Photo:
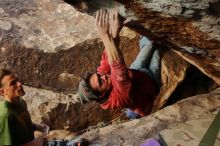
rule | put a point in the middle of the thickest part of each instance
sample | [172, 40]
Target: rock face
[135, 132]
[50, 44]
[45, 25]
[61, 111]
[191, 28]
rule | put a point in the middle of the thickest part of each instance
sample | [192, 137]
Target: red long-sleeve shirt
[131, 88]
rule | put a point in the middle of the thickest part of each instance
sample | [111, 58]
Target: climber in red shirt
[115, 86]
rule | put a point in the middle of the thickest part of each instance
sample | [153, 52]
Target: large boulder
[135, 132]
[50, 44]
[60, 111]
[190, 28]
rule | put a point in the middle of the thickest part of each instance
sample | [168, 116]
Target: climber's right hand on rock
[116, 22]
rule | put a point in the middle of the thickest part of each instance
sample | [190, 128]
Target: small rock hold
[2, 49]
[188, 13]
[5, 25]
[2, 11]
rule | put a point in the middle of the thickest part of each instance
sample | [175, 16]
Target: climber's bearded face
[100, 84]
